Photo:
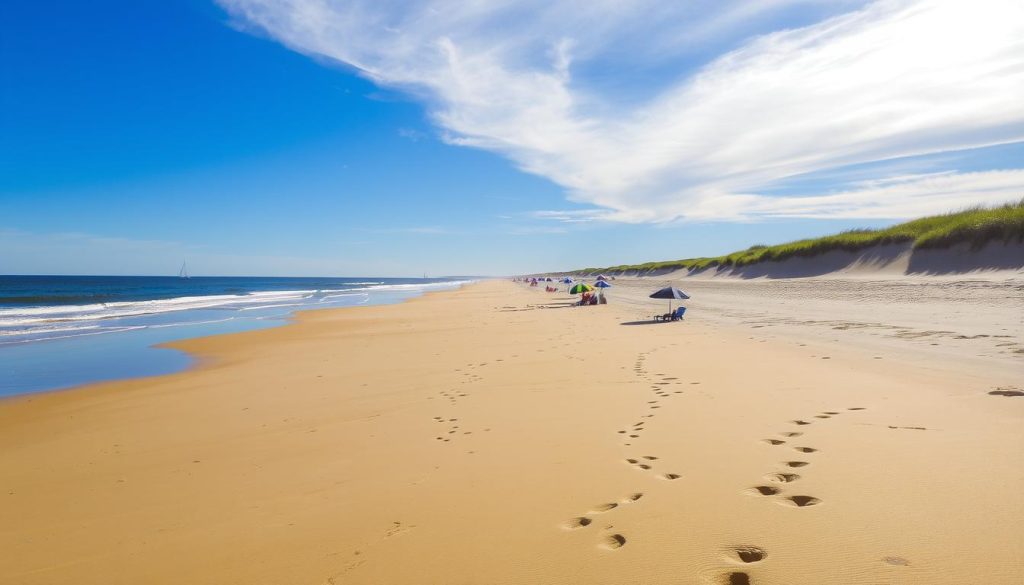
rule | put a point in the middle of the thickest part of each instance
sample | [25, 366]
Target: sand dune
[498, 435]
[996, 259]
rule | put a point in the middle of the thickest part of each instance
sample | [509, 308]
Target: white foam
[72, 320]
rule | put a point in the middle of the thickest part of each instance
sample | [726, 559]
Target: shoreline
[462, 438]
[143, 340]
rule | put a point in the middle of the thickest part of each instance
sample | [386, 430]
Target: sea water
[62, 331]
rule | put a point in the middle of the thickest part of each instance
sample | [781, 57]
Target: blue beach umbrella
[669, 293]
[567, 280]
[602, 284]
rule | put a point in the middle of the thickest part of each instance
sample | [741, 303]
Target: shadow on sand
[651, 322]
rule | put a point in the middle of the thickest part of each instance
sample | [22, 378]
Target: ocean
[62, 331]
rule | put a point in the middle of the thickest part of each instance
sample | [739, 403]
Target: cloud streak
[708, 138]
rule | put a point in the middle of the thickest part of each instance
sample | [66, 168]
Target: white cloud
[892, 79]
[411, 134]
[904, 197]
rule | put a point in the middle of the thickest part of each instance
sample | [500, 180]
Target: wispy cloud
[535, 230]
[572, 215]
[899, 197]
[425, 230]
[881, 81]
[411, 134]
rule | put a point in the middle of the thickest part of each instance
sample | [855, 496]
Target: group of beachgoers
[589, 295]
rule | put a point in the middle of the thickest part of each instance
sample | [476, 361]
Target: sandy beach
[793, 432]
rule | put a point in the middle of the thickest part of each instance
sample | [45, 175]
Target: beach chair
[676, 315]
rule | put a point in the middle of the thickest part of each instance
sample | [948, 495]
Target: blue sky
[319, 137]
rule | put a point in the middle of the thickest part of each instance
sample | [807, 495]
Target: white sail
[183, 273]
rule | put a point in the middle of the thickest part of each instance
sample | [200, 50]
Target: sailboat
[183, 273]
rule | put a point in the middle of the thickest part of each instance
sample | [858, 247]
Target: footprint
[793, 434]
[633, 497]
[783, 477]
[604, 508]
[832, 413]
[632, 461]
[736, 579]
[804, 501]
[766, 490]
[801, 422]
[1006, 392]
[614, 541]
[774, 441]
[748, 554]
[650, 457]
[578, 522]
[899, 561]
[857, 408]
[671, 476]
[822, 416]
[644, 466]
[806, 449]
[796, 463]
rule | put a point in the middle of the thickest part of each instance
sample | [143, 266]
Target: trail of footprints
[609, 539]
[776, 486]
[452, 397]
[659, 384]
[778, 479]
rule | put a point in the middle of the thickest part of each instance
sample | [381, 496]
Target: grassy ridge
[976, 226]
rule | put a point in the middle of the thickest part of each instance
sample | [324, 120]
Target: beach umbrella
[580, 288]
[567, 280]
[669, 293]
[548, 279]
[602, 277]
[602, 284]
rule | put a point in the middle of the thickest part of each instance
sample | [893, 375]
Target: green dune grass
[975, 226]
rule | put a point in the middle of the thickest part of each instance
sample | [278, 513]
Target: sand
[496, 435]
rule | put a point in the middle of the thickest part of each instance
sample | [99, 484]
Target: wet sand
[496, 434]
